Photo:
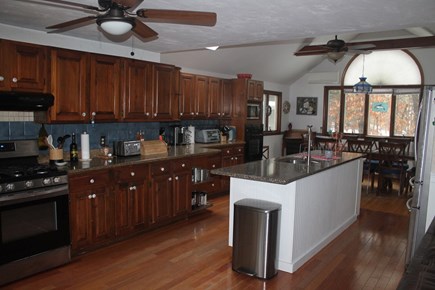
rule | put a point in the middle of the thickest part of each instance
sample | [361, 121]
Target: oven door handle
[31, 195]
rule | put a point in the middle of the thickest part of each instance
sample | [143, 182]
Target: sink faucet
[309, 145]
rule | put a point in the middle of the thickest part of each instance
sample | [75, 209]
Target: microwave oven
[254, 111]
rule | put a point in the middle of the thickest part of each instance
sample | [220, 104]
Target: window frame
[266, 94]
[343, 90]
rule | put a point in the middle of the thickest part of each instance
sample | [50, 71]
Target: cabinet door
[227, 99]
[137, 90]
[259, 91]
[80, 220]
[255, 91]
[24, 66]
[164, 101]
[102, 215]
[182, 193]
[161, 195]
[187, 96]
[104, 87]
[201, 96]
[215, 98]
[68, 84]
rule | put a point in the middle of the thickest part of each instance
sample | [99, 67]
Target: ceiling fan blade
[178, 16]
[72, 22]
[143, 30]
[312, 50]
[128, 4]
[74, 4]
[362, 46]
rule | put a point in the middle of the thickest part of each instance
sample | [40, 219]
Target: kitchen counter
[282, 170]
[318, 202]
[100, 162]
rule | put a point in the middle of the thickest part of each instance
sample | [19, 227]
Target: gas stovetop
[20, 170]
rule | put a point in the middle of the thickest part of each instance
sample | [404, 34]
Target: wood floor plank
[194, 254]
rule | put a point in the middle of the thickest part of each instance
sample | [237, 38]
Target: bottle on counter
[73, 150]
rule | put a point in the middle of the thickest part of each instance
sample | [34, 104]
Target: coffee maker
[178, 135]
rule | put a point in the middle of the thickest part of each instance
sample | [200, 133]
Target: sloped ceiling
[255, 36]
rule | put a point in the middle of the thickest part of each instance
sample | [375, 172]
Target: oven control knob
[28, 183]
[46, 181]
[10, 187]
[56, 179]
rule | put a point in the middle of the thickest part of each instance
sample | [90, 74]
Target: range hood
[25, 101]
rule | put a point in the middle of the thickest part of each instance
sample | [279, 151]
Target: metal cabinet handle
[176, 177]
[147, 113]
[132, 173]
[183, 165]
[170, 178]
[14, 80]
[155, 114]
[133, 187]
[2, 78]
[213, 166]
[84, 114]
[91, 180]
[162, 169]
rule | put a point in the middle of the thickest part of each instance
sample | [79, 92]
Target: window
[389, 110]
[272, 112]
[385, 112]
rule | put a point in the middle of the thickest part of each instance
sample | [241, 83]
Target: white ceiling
[256, 36]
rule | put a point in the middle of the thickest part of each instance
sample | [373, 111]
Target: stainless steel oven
[34, 213]
[253, 111]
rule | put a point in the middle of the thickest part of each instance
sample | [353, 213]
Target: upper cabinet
[193, 100]
[165, 92]
[220, 98]
[23, 66]
[86, 86]
[105, 87]
[255, 91]
[137, 90]
[69, 70]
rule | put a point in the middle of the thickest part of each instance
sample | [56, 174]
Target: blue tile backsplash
[113, 131]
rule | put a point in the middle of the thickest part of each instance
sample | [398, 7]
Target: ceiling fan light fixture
[335, 55]
[116, 26]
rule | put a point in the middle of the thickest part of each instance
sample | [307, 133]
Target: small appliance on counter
[178, 135]
[207, 136]
[126, 148]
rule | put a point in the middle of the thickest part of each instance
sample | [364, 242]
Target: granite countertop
[98, 161]
[280, 171]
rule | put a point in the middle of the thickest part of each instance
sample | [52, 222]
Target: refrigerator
[423, 146]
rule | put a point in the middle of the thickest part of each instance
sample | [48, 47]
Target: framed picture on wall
[306, 106]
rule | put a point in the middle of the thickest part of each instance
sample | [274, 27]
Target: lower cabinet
[170, 190]
[91, 210]
[131, 199]
[231, 155]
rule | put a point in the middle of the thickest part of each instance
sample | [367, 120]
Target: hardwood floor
[194, 254]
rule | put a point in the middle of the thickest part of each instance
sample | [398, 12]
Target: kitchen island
[319, 201]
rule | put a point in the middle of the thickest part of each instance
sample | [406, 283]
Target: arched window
[389, 110]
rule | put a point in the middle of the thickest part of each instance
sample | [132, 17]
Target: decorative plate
[286, 107]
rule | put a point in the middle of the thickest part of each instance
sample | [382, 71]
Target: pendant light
[362, 86]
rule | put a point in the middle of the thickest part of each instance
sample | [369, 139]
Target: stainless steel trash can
[255, 237]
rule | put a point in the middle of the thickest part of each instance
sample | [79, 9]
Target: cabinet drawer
[160, 168]
[181, 165]
[233, 150]
[89, 179]
[131, 173]
[214, 162]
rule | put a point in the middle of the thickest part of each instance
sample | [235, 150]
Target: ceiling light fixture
[362, 86]
[115, 22]
[335, 55]
[212, 47]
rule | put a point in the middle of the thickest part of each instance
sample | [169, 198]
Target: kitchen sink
[295, 160]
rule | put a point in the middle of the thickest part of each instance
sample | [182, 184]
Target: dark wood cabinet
[105, 88]
[255, 91]
[23, 67]
[69, 85]
[91, 210]
[137, 86]
[131, 199]
[193, 96]
[215, 98]
[227, 99]
[165, 90]
[170, 190]
[231, 156]
[86, 86]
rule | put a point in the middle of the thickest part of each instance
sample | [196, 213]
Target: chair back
[326, 144]
[360, 146]
[392, 154]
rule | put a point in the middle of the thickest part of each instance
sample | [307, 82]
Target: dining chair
[392, 166]
[364, 146]
[304, 145]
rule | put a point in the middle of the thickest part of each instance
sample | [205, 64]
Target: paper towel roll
[84, 139]
[190, 135]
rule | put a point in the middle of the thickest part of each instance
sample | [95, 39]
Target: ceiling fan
[116, 17]
[337, 47]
